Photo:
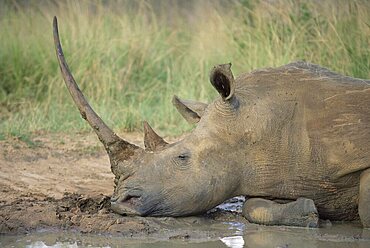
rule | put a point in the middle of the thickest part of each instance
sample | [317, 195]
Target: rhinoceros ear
[192, 111]
[152, 141]
[222, 79]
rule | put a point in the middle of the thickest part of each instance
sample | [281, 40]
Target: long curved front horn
[112, 143]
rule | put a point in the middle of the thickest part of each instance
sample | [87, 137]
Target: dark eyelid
[183, 156]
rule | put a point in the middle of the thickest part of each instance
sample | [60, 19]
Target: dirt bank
[58, 181]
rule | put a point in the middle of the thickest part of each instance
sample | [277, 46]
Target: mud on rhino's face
[179, 180]
[170, 182]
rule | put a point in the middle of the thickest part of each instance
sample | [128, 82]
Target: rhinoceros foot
[301, 212]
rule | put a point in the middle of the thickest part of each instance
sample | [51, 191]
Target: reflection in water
[237, 227]
[233, 242]
[40, 244]
[339, 235]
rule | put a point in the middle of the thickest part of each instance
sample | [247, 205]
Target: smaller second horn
[152, 141]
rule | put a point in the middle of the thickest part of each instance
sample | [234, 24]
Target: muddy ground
[61, 182]
[58, 181]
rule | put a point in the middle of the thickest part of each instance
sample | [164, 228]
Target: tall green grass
[130, 57]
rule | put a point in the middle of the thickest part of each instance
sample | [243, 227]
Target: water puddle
[233, 241]
[338, 236]
[226, 231]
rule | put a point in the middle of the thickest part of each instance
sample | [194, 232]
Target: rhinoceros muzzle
[126, 204]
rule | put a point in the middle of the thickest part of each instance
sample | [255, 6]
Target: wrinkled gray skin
[275, 135]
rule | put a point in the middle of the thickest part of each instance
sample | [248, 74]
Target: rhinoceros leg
[364, 198]
[301, 212]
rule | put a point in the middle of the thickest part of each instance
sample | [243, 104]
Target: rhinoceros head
[164, 179]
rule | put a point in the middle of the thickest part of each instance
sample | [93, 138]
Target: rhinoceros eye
[182, 161]
[183, 157]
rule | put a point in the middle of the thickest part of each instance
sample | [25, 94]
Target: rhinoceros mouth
[126, 205]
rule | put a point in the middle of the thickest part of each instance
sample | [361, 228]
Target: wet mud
[74, 212]
[64, 183]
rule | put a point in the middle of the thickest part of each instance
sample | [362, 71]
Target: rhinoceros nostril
[126, 204]
[127, 195]
[135, 201]
[131, 199]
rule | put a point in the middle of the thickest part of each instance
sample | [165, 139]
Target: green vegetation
[130, 57]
